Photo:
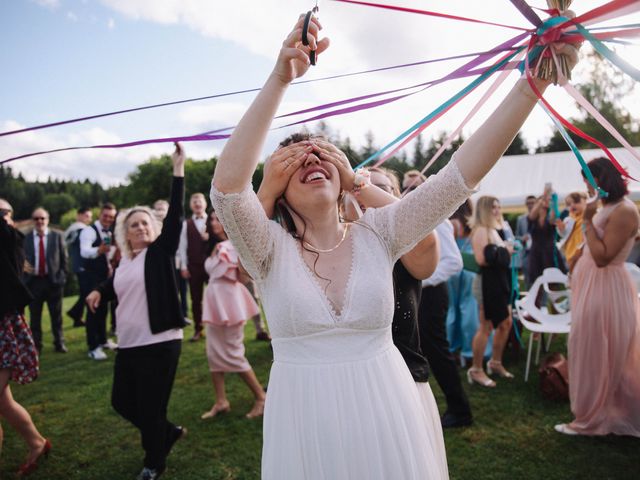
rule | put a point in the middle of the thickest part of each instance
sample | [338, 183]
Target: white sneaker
[110, 345]
[98, 354]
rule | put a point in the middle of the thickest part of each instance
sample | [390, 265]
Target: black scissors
[305, 31]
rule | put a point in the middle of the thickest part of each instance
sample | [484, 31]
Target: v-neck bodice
[301, 306]
[336, 309]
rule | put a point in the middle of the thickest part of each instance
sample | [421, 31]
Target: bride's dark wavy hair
[284, 212]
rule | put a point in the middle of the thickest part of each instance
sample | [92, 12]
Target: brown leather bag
[554, 377]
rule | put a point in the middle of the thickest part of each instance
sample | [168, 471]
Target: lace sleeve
[248, 228]
[403, 224]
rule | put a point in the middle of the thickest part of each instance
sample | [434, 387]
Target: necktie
[41, 256]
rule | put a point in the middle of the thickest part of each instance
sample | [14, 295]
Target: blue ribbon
[583, 164]
[442, 107]
[610, 55]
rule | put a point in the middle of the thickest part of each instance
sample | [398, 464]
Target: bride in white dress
[341, 402]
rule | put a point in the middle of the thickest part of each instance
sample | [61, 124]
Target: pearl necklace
[320, 250]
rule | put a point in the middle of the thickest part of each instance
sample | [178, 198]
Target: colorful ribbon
[430, 13]
[238, 92]
[442, 108]
[551, 30]
[449, 140]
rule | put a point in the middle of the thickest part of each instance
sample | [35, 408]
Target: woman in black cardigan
[149, 322]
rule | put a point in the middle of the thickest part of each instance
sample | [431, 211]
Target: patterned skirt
[17, 350]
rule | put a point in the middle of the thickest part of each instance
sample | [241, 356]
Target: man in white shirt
[432, 317]
[96, 243]
[72, 241]
[193, 251]
[45, 252]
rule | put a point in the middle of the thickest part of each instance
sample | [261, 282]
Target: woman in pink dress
[226, 307]
[604, 342]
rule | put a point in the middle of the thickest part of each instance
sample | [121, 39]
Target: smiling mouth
[314, 176]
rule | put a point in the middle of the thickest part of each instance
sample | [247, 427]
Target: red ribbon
[432, 14]
[575, 130]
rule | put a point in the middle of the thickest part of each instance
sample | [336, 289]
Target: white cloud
[108, 166]
[72, 16]
[111, 24]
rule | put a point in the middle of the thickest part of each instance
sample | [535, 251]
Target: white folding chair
[539, 319]
[634, 271]
[558, 297]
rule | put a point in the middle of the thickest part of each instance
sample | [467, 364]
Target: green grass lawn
[512, 437]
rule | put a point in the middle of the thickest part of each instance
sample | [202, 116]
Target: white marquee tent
[516, 176]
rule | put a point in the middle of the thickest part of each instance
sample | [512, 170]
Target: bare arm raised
[482, 150]
[240, 156]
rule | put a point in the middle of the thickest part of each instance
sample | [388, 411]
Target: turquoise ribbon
[535, 52]
[583, 164]
[554, 204]
[515, 285]
[550, 23]
[610, 55]
[442, 107]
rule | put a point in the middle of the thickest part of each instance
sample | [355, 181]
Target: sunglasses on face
[38, 218]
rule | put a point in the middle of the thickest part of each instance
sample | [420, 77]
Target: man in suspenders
[194, 241]
[96, 243]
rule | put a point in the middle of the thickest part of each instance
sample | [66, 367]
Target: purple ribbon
[227, 94]
[527, 12]
[463, 71]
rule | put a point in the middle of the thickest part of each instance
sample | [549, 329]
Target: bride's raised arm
[409, 220]
[482, 150]
[240, 156]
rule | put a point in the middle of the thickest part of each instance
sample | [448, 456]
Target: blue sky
[68, 58]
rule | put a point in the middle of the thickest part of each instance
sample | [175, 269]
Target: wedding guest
[604, 341]
[462, 315]
[570, 229]
[96, 245]
[194, 241]
[492, 289]
[18, 354]
[149, 322]
[247, 281]
[543, 253]
[72, 242]
[45, 252]
[432, 318]
[226, 308]
[522, 234]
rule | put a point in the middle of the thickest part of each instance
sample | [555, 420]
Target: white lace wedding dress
[341, 402]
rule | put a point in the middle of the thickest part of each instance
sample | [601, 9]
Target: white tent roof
[516, 176]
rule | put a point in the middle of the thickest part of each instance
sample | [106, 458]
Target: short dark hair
[530, 197]
[84, 210]
[608, 179]
[108, 206]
